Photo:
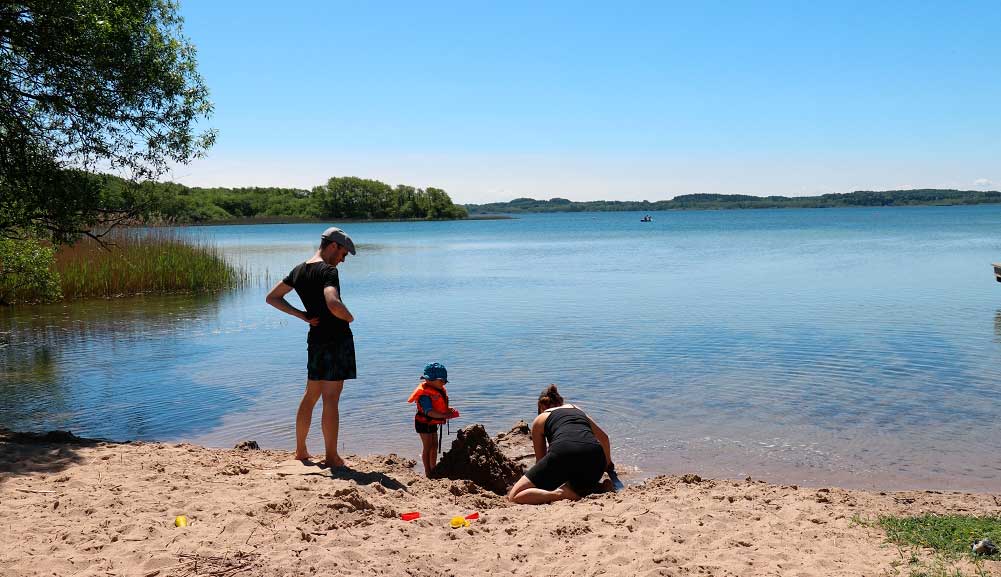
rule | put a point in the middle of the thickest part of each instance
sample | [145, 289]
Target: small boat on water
[646, 218]
[997, 271]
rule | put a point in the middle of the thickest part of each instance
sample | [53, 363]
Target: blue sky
[495, 100]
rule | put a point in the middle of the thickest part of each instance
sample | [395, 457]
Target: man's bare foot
[302, 457]
[334, 461]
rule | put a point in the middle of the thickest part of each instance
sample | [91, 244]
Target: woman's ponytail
[551, 397]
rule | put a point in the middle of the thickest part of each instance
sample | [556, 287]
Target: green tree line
[339, 198]
[735, 201]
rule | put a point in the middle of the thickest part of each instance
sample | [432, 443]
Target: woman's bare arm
[603, 439]
[539, 436]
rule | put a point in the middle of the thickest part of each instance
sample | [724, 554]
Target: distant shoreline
[514, 213]
[295, 220]
[857, 199]
[511, 209]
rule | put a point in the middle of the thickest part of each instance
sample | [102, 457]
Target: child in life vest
[432, 411]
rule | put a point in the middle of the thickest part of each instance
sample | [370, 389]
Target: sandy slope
[109, 509]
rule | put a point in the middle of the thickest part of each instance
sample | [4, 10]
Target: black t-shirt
[309, 279]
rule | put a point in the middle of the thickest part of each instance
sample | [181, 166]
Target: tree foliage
[339, 198]
[732, 201]
[352, 197]
[89, 86]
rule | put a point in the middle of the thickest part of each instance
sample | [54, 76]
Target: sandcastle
[475, 457]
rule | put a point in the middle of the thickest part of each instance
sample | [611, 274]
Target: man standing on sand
[331, 348]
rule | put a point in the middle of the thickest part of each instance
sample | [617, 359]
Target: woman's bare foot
[334, 461]
[302, 457]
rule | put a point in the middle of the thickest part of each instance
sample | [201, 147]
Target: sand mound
[517, 444]
[475, 457]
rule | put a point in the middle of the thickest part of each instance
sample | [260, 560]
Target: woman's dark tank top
[569, 426]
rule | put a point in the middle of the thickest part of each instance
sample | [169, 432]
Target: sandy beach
[89, 508]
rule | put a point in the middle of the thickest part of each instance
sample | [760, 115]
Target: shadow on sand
[365, 477]
[345, 473]
[26, 453]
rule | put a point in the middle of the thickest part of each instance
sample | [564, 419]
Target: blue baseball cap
[435, 371]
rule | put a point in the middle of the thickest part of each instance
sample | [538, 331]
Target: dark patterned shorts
[332, 360]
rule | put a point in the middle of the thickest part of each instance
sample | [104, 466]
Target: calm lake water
[857, 347]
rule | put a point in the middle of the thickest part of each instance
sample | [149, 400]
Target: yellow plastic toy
[181, 521]
[458, 522]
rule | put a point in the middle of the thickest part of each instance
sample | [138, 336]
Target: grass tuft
[948, 534]
[948, 537]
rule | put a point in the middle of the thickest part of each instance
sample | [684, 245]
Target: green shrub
[27, 273]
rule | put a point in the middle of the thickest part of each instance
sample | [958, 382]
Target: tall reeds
[143, 261]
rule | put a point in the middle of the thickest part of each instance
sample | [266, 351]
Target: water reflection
[35, 364]
[86, 366]
[120, 318]
[30, 383]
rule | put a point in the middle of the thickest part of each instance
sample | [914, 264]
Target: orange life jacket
[439, 402]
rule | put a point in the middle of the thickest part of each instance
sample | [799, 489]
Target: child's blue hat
[435, 371]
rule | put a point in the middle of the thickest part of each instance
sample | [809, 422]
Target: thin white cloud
[983, 182]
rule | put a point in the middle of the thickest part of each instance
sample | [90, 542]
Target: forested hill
[732, 201]
[339, 198]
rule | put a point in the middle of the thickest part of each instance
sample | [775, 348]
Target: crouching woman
[571, 453]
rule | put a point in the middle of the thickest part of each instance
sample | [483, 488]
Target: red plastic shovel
[410, 516]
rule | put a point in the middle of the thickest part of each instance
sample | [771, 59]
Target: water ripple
[859, 348]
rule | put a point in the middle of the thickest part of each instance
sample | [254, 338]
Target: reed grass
[143, 261]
